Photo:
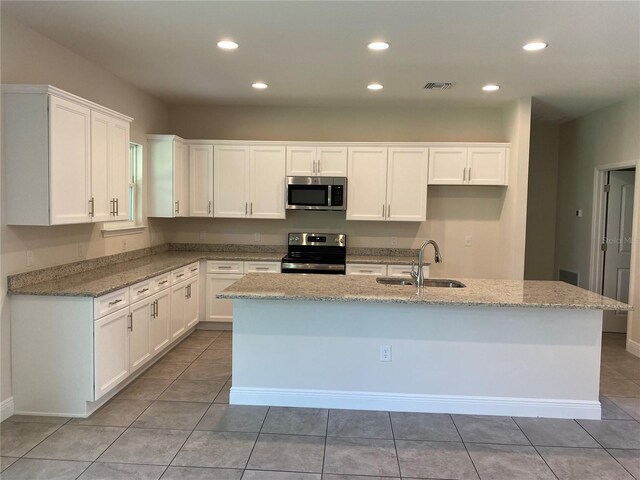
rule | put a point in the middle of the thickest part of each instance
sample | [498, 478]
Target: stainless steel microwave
[316, 193]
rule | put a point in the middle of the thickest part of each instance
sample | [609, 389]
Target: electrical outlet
[82, 250]
[256, 236]
[30, 258]
[124, 245]
[468, 241]
[579, 213]
[385, 353]
[202, 236]
[394, 242]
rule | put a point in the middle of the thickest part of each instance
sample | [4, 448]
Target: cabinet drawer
[261, 267]
[178, 275]
[110, 302]
[215, 266]
[140, 290]
[160, 282]
[192, 269]
[404, 270]
[366, 269]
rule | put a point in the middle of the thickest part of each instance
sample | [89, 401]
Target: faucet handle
[414, 271]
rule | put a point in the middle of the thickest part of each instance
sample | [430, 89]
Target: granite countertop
[478, 292]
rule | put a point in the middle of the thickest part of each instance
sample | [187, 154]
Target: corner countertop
[478, 292]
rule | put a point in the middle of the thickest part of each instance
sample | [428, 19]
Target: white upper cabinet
[249, 181]
[49, 148]
[201, 180]
[168, 176]
[309, 161]
[468, 166]
[119, 168]
[407, 184]
[367, 183]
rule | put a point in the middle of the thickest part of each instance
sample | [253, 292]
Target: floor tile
[233, 418]
[619, 387]
[222, 343]
[35, 469]
[288, 453]
[76, 442]
[327, 476]
[610, 411]
[6, 462]
[192, 391]
[420, 459]
[144, 389]
[583, 464]
[151, 447]
[122, 471]
[607, 371]
[116, 413]
[16, 439]
[489, 429]
[201, 473]
[629, 459]
[554, 432]
[166, 370]
[216, 449]
[508, 462]
[196, 343]
[38, 419]
[361, 456]
[424, 426]
[210, 334]
[630, 406]
[180, 355]
[215, 356]
[301, 421]
[223, 396]
[359, 423]
[211, 372]
[614, 433]
[171, 415]
[265, 475]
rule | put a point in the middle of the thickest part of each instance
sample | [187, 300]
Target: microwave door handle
[328, 195]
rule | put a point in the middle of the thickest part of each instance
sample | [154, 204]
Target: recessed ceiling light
[259, 85]
[533, 46]
[491, 88]
[378, 46]
[227, 45]
[375, 86]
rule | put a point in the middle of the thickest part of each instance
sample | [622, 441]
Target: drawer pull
[143, 290]
[115, 302]
[163, 282]
[262, 268]
[366, 271]
[180, 275]
[194, 269]
[224, 267]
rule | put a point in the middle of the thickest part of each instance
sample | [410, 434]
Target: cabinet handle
[210, 207]
[389, 211]
[469, 175]
[313, 167]
[163, 282]
[318, 167]
[194, 269]
[115, 302]
[224, 267]
[117, 207]
[383, 211]
[180, 275]
[177, 206]
[111, 207]
[91, 209]
[366, 271]
[143, 290]
[130, 318]
[251, 208]
[262, 268]
[245, 208]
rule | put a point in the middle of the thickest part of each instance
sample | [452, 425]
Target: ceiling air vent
[439, 85]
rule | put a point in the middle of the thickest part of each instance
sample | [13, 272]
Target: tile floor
[174, 422]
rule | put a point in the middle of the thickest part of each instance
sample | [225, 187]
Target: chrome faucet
[418, 275]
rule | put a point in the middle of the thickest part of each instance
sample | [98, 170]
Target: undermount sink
[428, 282]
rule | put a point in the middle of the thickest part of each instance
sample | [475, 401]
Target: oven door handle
[312, 266]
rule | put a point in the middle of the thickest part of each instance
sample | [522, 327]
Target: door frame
[598, 226]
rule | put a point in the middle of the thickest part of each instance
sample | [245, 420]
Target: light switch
[468, 241]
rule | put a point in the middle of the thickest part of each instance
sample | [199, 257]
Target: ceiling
[314, 52]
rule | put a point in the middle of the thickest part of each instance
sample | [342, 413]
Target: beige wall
[28, 57]
[541, 202]
[607, 136]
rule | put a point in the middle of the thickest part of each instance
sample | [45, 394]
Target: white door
[160, 317]
[617, 258]
[191, 306]
[487, 166]
[230, 181]
[69, 167]
[447, 165]
[111, 337]
[301, 161]
[180, 180]
[140, 334]
[407, 184]
[177, 323]
[119, 167]
[102, 205]
[267, 182]
[367, 183]
[201, 180]
[218, 309]
[331, 161]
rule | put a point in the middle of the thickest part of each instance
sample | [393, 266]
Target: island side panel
[455, 359]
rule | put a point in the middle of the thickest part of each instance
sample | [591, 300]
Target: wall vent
[438, 85]
[568, 277]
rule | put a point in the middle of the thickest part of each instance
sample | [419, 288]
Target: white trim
[128, 230]
[397, 402]
[633, 347]
[6, 409]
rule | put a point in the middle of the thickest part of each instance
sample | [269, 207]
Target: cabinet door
[177, 324]
[267, 182]
[100, 146]
[161, 315]
[119, 167]
[487, 166]
[180, 180]
[447, 165]
[191, 306]
[367, 183]
[407, 184]
[201, 180]
[301, 161]
[331, 161]
[69, 162]
[140, 334]
[230, 181]
[111, 347]
[219, 310]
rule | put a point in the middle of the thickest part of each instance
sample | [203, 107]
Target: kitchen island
[495, 347]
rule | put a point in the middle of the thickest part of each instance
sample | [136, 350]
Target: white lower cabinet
[366, 269]
[404, 270]
[111, 349]
[160, 319]
[140, 334]
[184, 306]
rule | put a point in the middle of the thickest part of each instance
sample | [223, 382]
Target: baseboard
[633, 347]
[6, 409]
[517, 407]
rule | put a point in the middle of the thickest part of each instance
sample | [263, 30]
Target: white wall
[28, 57]
[609, 135]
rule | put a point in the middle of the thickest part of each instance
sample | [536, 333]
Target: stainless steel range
[324, 253]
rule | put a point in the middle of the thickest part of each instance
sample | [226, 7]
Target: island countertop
[478, 292]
